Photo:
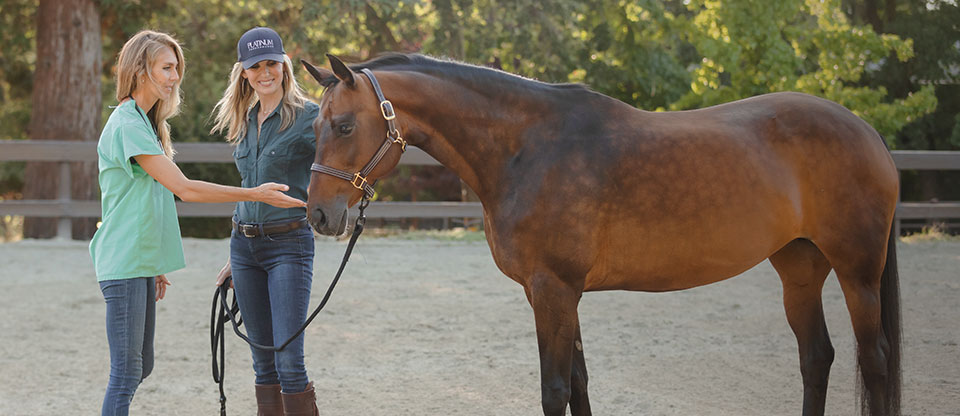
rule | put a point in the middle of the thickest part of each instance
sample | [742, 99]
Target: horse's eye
[345, 129]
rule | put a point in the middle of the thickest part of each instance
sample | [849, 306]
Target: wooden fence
[64, 208]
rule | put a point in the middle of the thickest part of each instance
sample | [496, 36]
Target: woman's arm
[169, 175]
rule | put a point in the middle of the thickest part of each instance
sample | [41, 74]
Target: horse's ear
[340, 70]
[324, 76]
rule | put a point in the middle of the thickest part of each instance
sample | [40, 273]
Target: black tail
[890, 322]
[890, 319]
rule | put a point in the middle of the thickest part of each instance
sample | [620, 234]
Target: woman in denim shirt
[270, 121]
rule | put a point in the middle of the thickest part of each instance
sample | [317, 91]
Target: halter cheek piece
[359, 179]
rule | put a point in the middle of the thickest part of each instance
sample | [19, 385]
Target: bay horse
[582, 192]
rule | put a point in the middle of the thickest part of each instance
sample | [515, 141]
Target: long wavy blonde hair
[239, 97]
[136, 58]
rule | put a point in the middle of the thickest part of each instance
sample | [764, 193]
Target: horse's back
[839, 163]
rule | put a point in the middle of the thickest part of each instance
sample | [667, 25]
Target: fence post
[896, 215]
[64, 223]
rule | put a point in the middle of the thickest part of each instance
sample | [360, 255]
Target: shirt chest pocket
[275, 162]
[241, 155]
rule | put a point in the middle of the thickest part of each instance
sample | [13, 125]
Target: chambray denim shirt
[276, 156]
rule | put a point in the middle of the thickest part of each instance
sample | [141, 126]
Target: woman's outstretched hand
[272, 193]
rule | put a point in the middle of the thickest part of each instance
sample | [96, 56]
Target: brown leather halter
[359, 179]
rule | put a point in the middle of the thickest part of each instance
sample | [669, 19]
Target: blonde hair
[136, 58]
[239, 97]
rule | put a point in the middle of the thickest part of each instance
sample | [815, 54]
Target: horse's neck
[467, 132]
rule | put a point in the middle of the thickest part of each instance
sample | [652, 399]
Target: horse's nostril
[321, 219]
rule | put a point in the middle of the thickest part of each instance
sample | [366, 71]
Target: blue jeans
[272, 276]
[131, 318]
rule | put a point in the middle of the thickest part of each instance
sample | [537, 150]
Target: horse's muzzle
[326, 224]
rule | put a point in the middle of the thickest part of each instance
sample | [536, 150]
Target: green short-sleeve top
[139, 235]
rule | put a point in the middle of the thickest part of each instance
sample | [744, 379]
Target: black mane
[472, 75]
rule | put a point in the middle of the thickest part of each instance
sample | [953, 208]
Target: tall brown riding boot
[301, 404]
[269, 401]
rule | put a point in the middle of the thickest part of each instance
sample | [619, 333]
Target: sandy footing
[431, 327]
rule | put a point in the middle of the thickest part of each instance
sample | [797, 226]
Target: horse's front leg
[579, 403]
[554, 305]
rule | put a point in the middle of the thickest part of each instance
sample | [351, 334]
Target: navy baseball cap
[259, 44]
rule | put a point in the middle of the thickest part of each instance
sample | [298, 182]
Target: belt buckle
[248, 230]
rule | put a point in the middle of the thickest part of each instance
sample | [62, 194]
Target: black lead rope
[219, 317]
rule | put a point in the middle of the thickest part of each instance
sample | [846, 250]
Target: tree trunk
[890, 13]
[872, 16]
[449, 30]
[383, 39]
[66, 105]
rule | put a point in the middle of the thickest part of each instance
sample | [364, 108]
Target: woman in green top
[139, 239]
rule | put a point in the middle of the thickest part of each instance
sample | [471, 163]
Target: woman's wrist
[253, 194]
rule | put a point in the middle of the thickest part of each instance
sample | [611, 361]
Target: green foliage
[931, 26]
[632, 51]
[753, 47]
[17, 64]
[526, 37]
[653, 54]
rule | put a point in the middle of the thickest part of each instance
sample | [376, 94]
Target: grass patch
[935, 232]
[11, 228]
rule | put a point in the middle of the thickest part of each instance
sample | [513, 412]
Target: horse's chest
[522, 252]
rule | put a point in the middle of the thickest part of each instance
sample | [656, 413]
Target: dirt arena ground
[431, 327]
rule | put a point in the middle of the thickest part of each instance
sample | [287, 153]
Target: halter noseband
[359, 179]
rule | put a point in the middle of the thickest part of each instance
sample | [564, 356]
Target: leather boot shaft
[269, 400]
[301, 404]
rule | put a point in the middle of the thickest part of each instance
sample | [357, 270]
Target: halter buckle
[386, 108]
[394, 136]
[358, 181]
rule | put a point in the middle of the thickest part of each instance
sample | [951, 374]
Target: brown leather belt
[278, 227]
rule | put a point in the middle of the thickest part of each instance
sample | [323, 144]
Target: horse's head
[357, 142]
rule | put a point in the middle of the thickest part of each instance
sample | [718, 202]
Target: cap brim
[276, 57]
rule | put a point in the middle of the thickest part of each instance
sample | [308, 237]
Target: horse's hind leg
[803, 269]
[579, 402]
[867, 273]
[554, 305]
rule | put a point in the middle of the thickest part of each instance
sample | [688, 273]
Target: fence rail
[73, 151]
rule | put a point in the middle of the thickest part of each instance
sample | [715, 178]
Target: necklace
[265, 113]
